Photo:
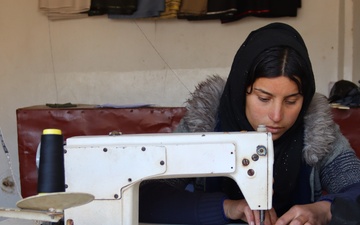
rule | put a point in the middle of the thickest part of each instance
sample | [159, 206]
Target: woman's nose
[276, 112]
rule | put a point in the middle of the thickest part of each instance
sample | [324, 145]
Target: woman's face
[275, 103]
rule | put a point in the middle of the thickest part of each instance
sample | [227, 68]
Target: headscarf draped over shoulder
[232, 113]
[232, 116]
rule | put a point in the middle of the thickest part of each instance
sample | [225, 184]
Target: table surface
[30, 222]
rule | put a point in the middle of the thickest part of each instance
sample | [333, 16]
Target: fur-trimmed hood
[201, 116]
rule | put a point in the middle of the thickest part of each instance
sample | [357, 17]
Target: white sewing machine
[111, 168]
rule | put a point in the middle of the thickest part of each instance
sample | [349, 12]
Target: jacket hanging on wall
[264, 8]
[225, 10]
[211, 9]
[121, 7]
[192, 8]
[145, 9]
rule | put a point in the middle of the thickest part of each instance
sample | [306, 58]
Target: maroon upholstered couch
[83, 120]
[349, 122]
[89, 120]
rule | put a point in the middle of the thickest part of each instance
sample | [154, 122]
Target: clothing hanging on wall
[121, 7]
[172, 8]
[193, 8]
[214, 10]
[145, 9]
[64, 9]
[279, 8]
[264, 8]
[226, 10]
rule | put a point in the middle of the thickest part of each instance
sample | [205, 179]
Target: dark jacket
[325, 151]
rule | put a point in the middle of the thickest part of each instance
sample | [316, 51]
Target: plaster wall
[98, 60]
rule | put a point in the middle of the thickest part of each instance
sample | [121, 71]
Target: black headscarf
[288, 148]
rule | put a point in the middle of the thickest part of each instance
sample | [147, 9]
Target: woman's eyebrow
[268, 93]
[263, 91]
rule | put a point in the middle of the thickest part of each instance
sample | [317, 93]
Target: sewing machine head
[111, 169]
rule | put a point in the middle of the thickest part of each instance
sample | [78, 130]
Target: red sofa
[89, 120]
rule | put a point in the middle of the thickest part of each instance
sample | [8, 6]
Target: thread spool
[51, 173]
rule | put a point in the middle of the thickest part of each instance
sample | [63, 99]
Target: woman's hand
[239, 209]
[317, 213]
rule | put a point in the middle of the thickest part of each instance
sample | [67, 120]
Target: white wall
[356, 38]
[98, 60]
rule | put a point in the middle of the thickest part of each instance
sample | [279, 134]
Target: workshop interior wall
[98, 60]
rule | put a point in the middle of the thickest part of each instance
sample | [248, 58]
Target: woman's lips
[273, 130]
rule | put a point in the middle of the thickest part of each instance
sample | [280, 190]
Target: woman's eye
[290, 102]
[263, 99]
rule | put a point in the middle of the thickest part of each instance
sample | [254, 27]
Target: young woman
[270, 83]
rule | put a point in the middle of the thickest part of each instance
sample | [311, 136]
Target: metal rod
[262, 217]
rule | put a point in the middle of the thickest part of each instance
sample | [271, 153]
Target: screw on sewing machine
[143, 149]
[105, 149]
[245, 162]
[261, 150]
[255, 157]
[116, 196]
[251, 172]
[162, 162]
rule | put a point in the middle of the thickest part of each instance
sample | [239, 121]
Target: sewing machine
[111, 168]
[107, 171]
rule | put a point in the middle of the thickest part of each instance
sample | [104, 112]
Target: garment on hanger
[64, 9]
[145, 9]
[172, 8]
[264, 8]
[123, 7]
[215, 10]
[192, 8]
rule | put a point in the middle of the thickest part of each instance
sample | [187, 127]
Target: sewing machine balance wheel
[55, 202]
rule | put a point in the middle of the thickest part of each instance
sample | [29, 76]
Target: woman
[271, 83]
